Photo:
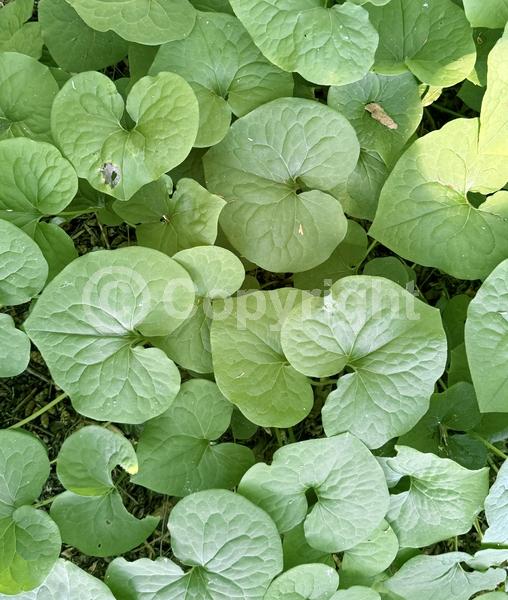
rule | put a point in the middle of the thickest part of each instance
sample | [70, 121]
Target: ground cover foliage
[254, 299]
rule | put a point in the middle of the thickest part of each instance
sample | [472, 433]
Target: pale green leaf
[496, 509]
[216, 273]
[442, 577]
[67, 582]
[142, 21]
[14, 348]
[227, 72]
[91, 515]
[356, 593]
[346, 480]
[442, 501]
[424, 214]
[249, 364]
[273, 169]
[486, 337]
[72, 43]
[393, 343]
[297, 550]
[92, 320]
[27, 91]
[329, 46]
[30, 539]
[431, 38]
[177, 452]
[487, 13]
[23, 270]
[305, 582]
[231, 546]
[85, 122]
[15, 34]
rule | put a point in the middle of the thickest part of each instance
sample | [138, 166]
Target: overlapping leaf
[228, 74]
[273, 169]
[85, 122]
[90, 325]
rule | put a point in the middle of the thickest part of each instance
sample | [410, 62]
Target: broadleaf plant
[253, 299]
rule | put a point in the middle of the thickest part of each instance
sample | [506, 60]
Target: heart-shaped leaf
[91, 335]
[496, 507]
[141, 21]
[67, 582]
[279, 160]
[177, 451]
[329, 46]
[15, 34]
[486, 337]
[72, 43]
[440, 49]
[30, 539]
[171, 222]
[443, 500]
[487, 13]
[339, 474]
[91, 514]
[441, 578]
[385, 112]
[27, 91]
[228, 74]
[85, 121]
[394, 344]
[249, 364]
[217, 273]
[14, 348]
[239, 560]
[305, 582]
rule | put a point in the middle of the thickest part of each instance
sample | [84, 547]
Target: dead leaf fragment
[378, 113]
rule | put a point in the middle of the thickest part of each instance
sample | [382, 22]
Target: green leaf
[141, 21]
[228, 74]
[23, 270]
[15, 34]
[177, 451]
[391, 268]
[168, 223]
[91, 336]
[14, 348]
[456, 408]
[424, 214]
[494, 127]
[216, 273]
[356, 593]
[454, 314]
[393, 344]
[342, 262]
[85, 122]
[441, 578]
[329, 46]
[348, 485]
[485, 40]
[370, 557]
[72, 43]
[232, 547]
[30, 539]
[487, 13]
[486, 337]
[27, 91]
[249, 364]
[439, 50]
[91, 515]
[443, 500]
[297, 550]
[67, 582]
[37, 182]
[305, 582]
[496, 509]
[273, 169]
[222, 6]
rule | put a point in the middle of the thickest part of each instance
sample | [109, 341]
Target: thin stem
[40, 412]
[447, 111]
[490, 446]
[323, 382]
[44, 502]
[278, 435]
[478, 529]
[373, 244]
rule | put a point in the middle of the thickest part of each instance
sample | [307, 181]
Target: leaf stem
[278, 435]
[44, 502]
[40, 412]
[373, 244]
[447, 110]
[494, 449]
